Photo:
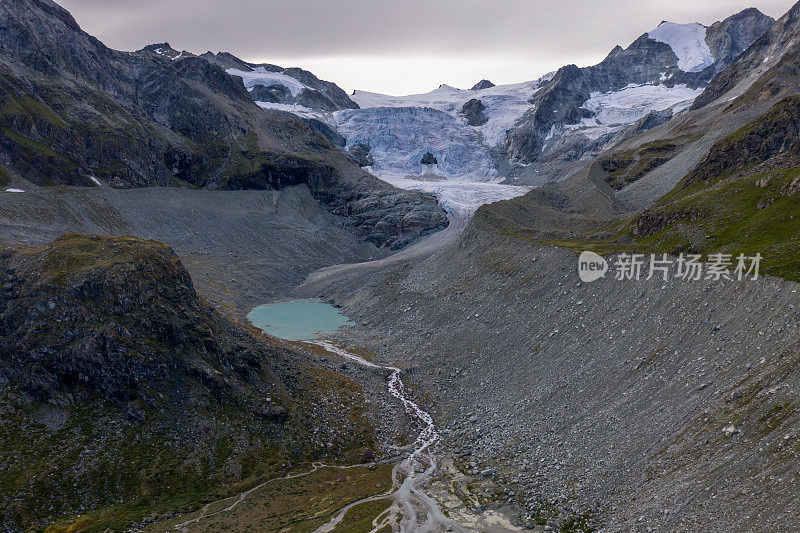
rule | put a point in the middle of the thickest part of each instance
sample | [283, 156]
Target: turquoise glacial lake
[298, 320]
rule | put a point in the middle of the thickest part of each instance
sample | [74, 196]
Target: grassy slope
[298, 505]
[135, 472]
[745, 214]
[744, 198]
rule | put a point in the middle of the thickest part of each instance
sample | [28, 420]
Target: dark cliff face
[777, 50]
[118, 319]
[473, 111]
[772, 141]
[483, 84]
[71, 110]
[322, 95]
[646, 61]
[729, 38]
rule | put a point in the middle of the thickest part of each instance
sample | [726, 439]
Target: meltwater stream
[411, 510]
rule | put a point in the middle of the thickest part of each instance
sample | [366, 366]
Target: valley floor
[608, 403]
[558, 402]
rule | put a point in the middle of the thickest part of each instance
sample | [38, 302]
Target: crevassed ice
[505, 104]
[400, 136]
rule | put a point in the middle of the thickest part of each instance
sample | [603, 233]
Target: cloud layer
[378, 42]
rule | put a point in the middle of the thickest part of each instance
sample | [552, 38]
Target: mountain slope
[582, 110]
[721, 178]
[771, 54]
[274, 87]
[74, 112]
[125, 396]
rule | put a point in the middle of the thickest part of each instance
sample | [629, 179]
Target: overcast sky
[400, 46]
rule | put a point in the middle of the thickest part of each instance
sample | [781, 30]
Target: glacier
[401, 129]
[464, 178]
[400, 136]
[262, 76]
[613, 111]
[505, 104]
[688, 41]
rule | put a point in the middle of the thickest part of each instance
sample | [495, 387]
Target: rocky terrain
[545, 130]
[271, 84]
[620, 405]
[131, 395]
[242, 248]
[607, 401]
[75, 112]
[563, 122]
[125, 395]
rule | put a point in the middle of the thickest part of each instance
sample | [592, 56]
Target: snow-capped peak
[688, 41]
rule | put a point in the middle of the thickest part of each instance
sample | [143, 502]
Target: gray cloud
[536, 34]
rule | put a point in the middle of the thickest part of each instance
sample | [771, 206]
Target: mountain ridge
[559, 107]
[75, 112]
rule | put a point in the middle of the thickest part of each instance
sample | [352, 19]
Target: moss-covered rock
[122, 393]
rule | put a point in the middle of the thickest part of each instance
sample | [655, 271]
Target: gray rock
[473, 111]
[483, 84]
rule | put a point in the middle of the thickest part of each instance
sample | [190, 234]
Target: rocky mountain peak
[483, 84]
[729, 38]
[272, 84]
[767, 52]
[668, 66]
[75, 112]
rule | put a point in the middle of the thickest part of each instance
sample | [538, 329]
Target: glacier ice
[688, 41]
[400, 136]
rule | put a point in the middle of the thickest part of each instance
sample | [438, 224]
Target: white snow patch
[615, 110]
[262, 76]
[688, 41]
[15, 190]
[290, 108]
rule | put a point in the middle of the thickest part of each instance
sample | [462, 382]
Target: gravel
[612, 400]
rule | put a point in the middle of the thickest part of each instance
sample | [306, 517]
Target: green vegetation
[733, 215]
[5, 177]
[300, 504]
[36, 148]
[772, 137]
[743, 198]
[744, 215]
[749, 215]
[168, 446]
[360, 517]
[132, 473]
[93, 456]
[629, 166]
[72, 254]
[19, 104]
